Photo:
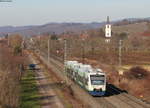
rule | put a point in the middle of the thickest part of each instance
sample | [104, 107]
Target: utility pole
[23, 43]
[83, 56]
[39, 34]
[65, 58]
[8, 40]
[48, 49]
[65, 53]
[120, 53]
[83, 51]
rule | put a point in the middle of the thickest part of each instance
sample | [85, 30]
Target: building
[108, 30]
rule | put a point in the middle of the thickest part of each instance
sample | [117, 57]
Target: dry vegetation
[136, 81]
[10, 76]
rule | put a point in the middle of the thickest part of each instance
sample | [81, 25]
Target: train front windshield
[97, 79]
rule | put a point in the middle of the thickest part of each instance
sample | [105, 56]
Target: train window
[97, 82]
[97, 79]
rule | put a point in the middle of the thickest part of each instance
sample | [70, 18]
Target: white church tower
[108, 30]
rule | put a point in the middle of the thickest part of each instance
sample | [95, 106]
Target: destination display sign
[97, 77]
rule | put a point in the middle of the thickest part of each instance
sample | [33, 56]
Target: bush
[137, 73]
[17, 50]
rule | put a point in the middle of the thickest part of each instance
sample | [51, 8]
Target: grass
[29, 91]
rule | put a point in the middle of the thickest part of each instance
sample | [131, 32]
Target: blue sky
[35, 12]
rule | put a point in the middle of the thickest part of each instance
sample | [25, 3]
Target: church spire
[108, 22]
[108, 29]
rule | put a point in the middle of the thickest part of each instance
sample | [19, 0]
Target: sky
[37, 12]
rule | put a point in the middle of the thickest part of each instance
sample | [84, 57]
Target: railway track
[121, 99]
[101, 102]
[104, 103]
[128, 99]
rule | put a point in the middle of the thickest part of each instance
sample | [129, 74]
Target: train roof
[98, 70]
[71, 62]
[84, 68]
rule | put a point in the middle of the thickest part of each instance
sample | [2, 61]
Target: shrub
[137, 73]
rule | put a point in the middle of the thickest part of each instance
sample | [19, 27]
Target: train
[91, 79]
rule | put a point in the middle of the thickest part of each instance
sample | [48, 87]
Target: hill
[58, 28]
[131, 28]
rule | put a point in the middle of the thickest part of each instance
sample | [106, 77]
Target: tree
[54, 37]
[16, 43]
[17, 50]
[15, 40]
[122, 36]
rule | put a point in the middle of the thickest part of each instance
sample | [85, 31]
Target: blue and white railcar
[71, 67]
[92, 80]
[69, 64]
[97, 83]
